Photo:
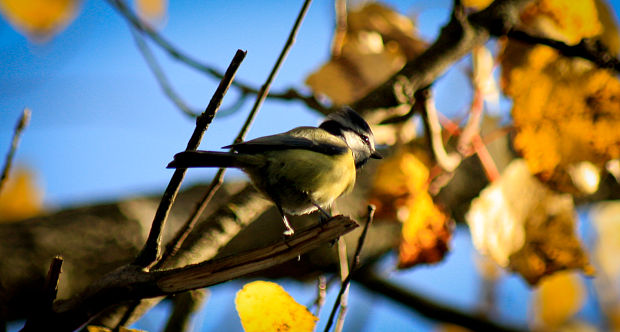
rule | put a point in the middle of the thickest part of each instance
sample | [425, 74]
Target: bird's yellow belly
[298, 178]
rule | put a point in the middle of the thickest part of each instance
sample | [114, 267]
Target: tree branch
[22, 123]
[132, 282]
[151, 251]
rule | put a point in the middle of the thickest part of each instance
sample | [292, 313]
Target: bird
[302, 170]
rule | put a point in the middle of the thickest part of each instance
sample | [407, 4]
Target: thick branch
[456, 40]
[131, 282]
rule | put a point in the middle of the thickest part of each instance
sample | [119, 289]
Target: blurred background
[103, 130]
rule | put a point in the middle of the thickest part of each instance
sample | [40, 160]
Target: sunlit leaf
[400, 191]
[559, 297]
[377, 43]
[266, 306]
[477, 4]
[20, 198]
[93, 328]
[39, 19]
[610, 36]
[151, 10]
[565, 112]
[524, 226]
[567, 21]
[606, 219]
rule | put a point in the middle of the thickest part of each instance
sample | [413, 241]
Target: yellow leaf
[567, 21]
[559, 298]
[610, 36]
[377, 43]
[39, 19]
[266, 306]
[400, 191]
[20, 198]
[565, 112]
[477, 4]
[151, 10]
[524, 226]
[93, 328]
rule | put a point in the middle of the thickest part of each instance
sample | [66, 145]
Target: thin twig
[159, 74]
[432, 127]
[354, 263]
[217, 181]
[321, 293]
[151, 250]
[50, 291]
[340, 9]
[344, 272]
[290, 94]
[19, 128]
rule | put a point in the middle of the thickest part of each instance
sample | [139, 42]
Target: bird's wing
[287, 141]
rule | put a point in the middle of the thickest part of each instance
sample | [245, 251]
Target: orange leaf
[400, 191]
[39, 19]
[151, 10]
[559, 298]
[20, 198]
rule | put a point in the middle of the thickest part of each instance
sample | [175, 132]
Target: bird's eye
[365, 139]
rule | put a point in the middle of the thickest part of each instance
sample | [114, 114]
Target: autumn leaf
[559, 298]
[39, 19]
[20, 198]
[565, 112]
[400, 191]
[567, 21]
[526, 227]
[377, 43]
[151, 10]
[93, 328]
[266, 306]
[477, 4]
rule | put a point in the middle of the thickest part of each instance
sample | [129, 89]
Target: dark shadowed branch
[133, 282]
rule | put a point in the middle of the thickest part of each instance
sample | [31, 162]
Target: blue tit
[302, 170]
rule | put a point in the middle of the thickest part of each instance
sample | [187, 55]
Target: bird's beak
[376, 155]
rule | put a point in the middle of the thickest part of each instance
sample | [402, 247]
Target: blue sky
[102, 129]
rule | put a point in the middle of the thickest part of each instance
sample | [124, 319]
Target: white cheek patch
[354, 142]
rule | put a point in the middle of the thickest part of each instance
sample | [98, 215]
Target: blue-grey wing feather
[286, 142]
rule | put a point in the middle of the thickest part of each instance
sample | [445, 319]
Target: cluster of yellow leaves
[20, 198]
[400, 191]
[40, 20]
[559, 298]
[526, 227]
[477, 4]
[565, 110]
[567, 21]
[377, 43]
[266, 306]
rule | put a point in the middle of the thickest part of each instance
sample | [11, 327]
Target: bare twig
[290, 94]
[340, 32]
[356, 257]
[447, 161]
[51, 290]
[22, 123]
[428, 308]
[321, 292]
[217, 181]
[151, 251]
[344, 273]
[159, 74]
[133, 282]
[589, 49]
[185, 305]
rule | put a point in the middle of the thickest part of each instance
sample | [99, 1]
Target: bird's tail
[189, 159]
